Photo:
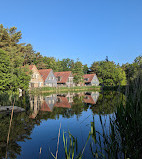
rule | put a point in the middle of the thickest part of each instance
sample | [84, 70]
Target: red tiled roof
[31, 67]
[44, 73]
[63, 75]
[88, 99]
[63, 103]
[45, 107]
[89, 76]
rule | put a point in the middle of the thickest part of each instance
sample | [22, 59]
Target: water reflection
[51, 102]
[91, 98]
[69, 106]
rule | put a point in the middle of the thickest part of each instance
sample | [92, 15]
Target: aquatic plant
[124, 139]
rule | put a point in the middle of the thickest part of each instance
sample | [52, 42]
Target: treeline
[14, 55]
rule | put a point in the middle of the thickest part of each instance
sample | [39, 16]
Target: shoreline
[64, 89]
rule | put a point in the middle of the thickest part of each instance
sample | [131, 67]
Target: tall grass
[124, 139]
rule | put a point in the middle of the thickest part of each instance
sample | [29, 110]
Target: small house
[64, 78]
[36, 80]
[48, 77]
[91, 79]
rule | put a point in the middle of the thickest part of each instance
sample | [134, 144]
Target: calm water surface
[34, 133]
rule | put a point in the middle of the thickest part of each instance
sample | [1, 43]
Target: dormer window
[58, 100]
[58, 78]
[86, 79]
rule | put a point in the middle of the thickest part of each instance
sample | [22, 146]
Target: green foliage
[70, 153]
[28, 54]
[67, 64]
[50, 63]
[85, 69]
[15, 54]
[5, 71]
[109, 73]
[133, 69]
[22, 78]
[78, 72]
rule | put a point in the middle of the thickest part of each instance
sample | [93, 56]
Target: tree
[85, 69]
[38, 61]
[5, 71]
[23, 76]
[78, 72]
[12, 78]
[28, 54]
[132, 70]
[9, 42]
[59, 66]
[50, 63]
[109, 73]
[67, 64]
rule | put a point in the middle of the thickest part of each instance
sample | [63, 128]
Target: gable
[44, 73]
[36, 73]
[95, 80]
[88, 77]
[50, 77]
[62, 76]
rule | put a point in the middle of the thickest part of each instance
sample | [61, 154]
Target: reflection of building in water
[35, 104]
[91, 98]
[95, 96]
[70, 97]
[49, 103]
[62, 102]
[80, 94]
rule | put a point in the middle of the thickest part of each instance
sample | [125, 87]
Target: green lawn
[63, 89]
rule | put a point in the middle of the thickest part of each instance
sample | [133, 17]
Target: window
[32, 75]
[32, 85]
[86, 79]
[58, 100]
[39, 84]
[35, 76]
[59, 78]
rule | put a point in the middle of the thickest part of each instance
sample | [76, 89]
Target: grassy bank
[64, 89]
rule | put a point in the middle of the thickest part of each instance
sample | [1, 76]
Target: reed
[124, 139]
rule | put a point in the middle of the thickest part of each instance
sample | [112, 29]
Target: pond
[51, 120]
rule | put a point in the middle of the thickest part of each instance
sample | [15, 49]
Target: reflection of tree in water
[20, 130]
[108, 102]
[103, 103]
[22, 125]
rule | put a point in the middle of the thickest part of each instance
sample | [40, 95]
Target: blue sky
[86, 29]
